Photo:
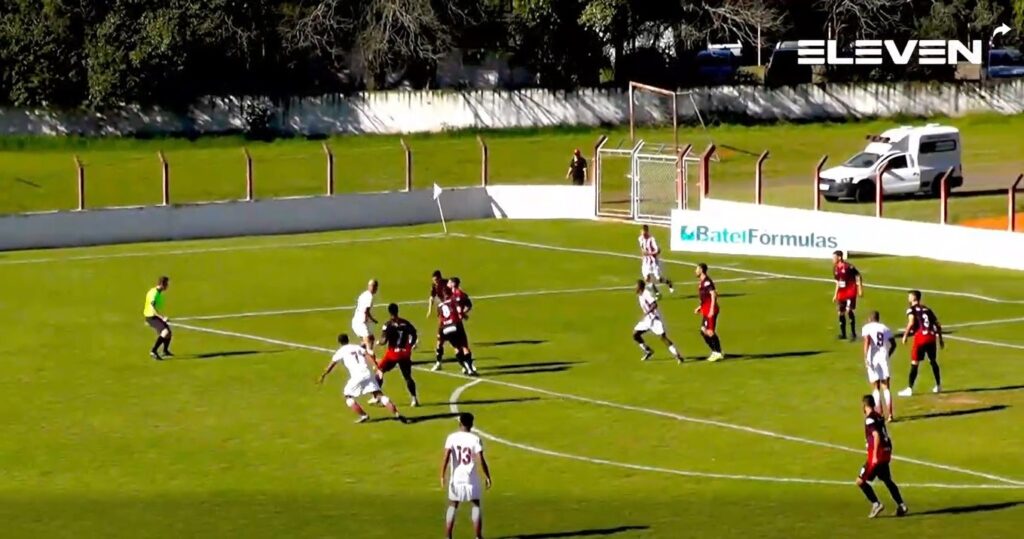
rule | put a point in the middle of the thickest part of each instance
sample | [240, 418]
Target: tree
[41, 51]
[856, 19]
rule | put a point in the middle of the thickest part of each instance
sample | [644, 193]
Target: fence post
[485, 161]
[758, 179]
[330, 169]
[596, 162]
[681, 192]
[944, 197]
[705, 171]
[1011, 217]
[408, 165]
[817, 181]
[80, 178]
[249, 192]
[878, 187]
[165, 179]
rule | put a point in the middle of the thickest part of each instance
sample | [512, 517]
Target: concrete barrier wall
[434, 111]
[288, 216]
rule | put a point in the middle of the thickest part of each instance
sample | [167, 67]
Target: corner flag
[437, 197]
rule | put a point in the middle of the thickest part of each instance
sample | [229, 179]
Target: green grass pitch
[233, 438]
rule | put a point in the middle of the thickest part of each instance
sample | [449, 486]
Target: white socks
[673, 350]
[888, 398]
[449, 517]
[878, 400]
[476, 515]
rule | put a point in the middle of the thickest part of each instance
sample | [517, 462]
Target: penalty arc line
[501, 295]
[609, 404]
[453, 405]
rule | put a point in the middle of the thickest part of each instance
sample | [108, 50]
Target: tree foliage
[97, 53]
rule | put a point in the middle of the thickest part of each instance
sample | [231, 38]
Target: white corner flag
[437, 197]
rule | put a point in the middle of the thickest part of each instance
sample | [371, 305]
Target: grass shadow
[954, 413]
[227, 353]
[985, 389]
[481, 402]
[774, 355]
[412, 420]
[510, 343]
[594, 532]
[967, 509]
[535, 370]
[513, 366]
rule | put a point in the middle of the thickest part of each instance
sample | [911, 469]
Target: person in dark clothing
[577, 168]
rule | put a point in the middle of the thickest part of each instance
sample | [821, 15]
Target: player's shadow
[481, 402]
[227, 353]
[511, 343]
[954, 413]
[694, 296]
[595, 532]
[985, 389]
[965, 509]
[530, 368]
[412, 420]
[774, 355]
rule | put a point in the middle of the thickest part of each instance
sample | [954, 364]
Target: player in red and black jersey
[438, 287]
[924, 326]
[461, 297]
[849, 286]
[879, 455]
[708, 310]
[399, 336]
[452, 331]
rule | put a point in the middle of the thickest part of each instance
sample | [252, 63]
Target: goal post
[661, 108]
[636, 91]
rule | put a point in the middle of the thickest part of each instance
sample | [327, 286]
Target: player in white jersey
[361, 380]
[879, 346]
[651, 321]
[464, 458]
[362, 318]
[650, 266]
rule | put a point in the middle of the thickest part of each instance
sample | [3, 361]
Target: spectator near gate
[577, 168]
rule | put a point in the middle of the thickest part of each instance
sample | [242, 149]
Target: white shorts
[464, 492]
[653, 325]
[357, 387]
[878, 368]
[652, 268]
[361, 329]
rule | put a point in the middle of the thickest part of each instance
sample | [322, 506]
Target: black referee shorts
[157, 324]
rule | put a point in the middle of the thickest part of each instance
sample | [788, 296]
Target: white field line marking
[501, 295]
[453, 404]
[985, 323]
[869, 286]
[254, 247]
[985, 342]
[609, 404]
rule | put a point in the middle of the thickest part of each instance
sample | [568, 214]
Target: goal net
[644, 182]
[655, 114]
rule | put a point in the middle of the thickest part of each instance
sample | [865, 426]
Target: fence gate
[613, 179]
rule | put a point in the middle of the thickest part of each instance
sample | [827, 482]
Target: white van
[915, 160]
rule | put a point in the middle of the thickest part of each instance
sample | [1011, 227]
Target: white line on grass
[985, 342]
[733, 269]
[609, 404]
[984, 323]
[252, 247]
[453, 404]
[501, 295]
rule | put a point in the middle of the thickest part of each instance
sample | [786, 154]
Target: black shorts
[157, 324]
[881, 471]
[846, 304]
[454, 335]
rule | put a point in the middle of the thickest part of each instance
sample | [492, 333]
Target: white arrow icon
[1002, 29]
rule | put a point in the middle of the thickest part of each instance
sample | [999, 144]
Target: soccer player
[708, 310]
[361, 381]
[362, 318]
[877, 466]
[924, 325]
[154, 316]
[650, 267]
[438, 286]
[849, 286]
[453, 332]
[399, 336]
[464, 452]
[461, 297]
[651, 321]
[879, 346]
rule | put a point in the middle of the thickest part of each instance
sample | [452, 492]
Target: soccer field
[232, 437]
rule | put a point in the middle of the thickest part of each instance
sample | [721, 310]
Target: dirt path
[994, 223]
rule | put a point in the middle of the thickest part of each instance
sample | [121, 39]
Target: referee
[156, 319]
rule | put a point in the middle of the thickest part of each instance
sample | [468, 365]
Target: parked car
[783, 68]
[915, 159]
[1005, 63]
[717, 66]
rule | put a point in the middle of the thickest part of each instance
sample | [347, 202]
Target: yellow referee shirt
[154, 302]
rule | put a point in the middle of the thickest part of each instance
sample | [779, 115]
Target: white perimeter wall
[750, 229]
[434, 111]
[290, 215]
